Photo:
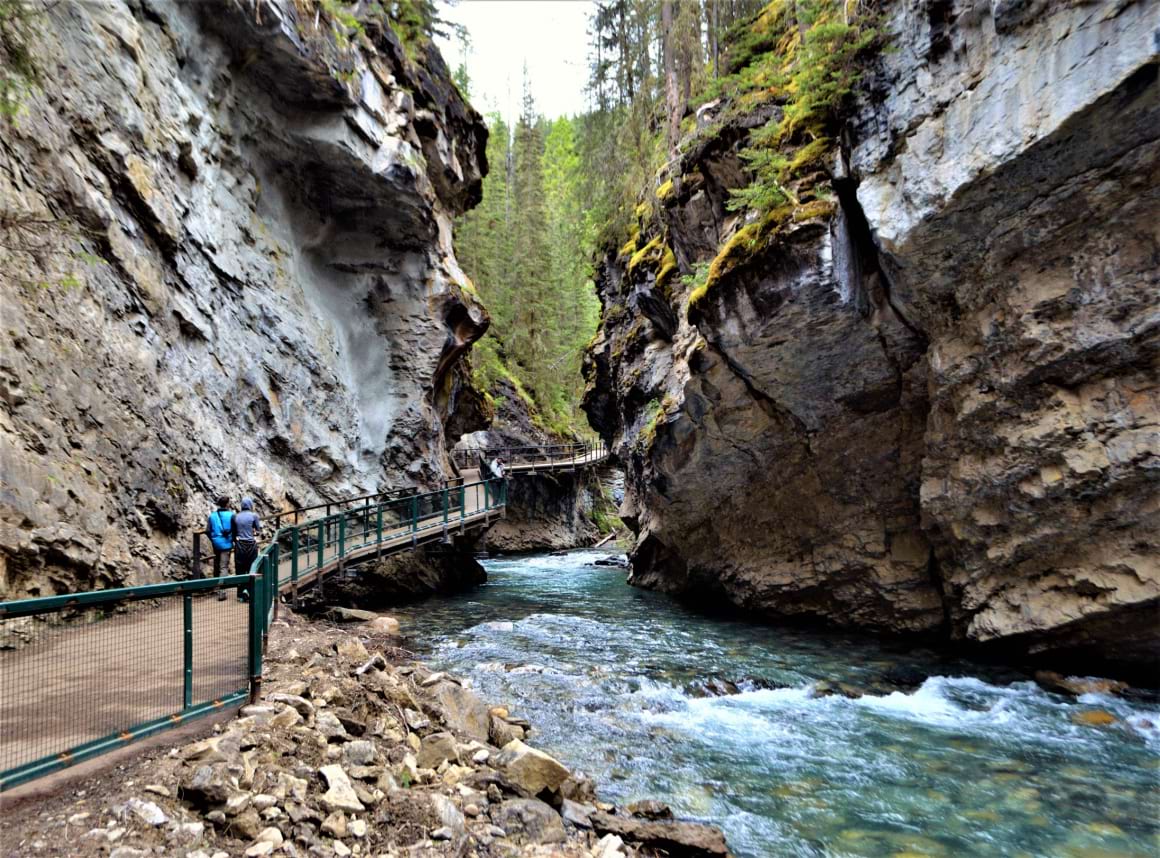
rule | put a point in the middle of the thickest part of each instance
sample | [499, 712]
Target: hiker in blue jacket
[245, 537]
[219, 527]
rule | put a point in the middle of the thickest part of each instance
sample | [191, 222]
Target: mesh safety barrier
[84, 673]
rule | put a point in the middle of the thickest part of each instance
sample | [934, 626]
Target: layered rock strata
[225, 232]
[929, 404]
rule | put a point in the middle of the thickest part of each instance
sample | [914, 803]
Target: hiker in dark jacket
[219, 529]
[246, 525]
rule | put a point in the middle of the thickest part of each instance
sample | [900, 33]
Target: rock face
[933, 406]
[225, 231]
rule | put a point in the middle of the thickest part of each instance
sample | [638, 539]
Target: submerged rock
[1079, 685]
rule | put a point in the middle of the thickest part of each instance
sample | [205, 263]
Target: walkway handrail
[297, 553]
[548, 455]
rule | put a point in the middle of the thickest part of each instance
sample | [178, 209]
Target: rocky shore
[354, 749]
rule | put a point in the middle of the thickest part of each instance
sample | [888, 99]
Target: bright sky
[549, 35]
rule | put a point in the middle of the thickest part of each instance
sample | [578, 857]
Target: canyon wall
[225, 238]
[544, 512]
[927, 401]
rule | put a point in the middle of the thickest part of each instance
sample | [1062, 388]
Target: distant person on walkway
[245, 535]
[219, 529]
[497, 468]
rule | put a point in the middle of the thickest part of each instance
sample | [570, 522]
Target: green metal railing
[96, 676]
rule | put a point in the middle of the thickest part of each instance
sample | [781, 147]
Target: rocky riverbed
[354, 749]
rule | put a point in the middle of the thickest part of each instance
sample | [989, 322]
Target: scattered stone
[576, 813]
[375, 662]
[1076, 686]
[443, 833]
[650, 809]
[357, 828]
[328, 725]
[528, 820]
[341, 849]
[436, 749]
[352, 649]
[335, 825]
[207, 785]
[501, 732]
[352, 615]
[416, 720]
[191, 830]
[384, 626]
[158, 789]
[300, 704]
[609, 846]
[481, 756]
[361, 752]
[531, 769]
[340, 795]
[449, 815]
[462, 711]
[677, 838]
[78, 818]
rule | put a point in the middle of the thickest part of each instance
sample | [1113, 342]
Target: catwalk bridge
[86, 673]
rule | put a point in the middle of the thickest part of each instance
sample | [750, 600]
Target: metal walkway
[85, 673]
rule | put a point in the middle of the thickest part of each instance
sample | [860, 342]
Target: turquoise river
[940, 756]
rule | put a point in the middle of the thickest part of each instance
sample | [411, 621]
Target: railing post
[256, 597]
[445, 511]
[187, 619]
[379, 530]
[341, 540]
[321, 544]
[294, 547]
[414, 519]
[274, 565]
[196, 556]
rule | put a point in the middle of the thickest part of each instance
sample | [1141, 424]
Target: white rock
[341, 849]
[146, 811]
[262, 847]
[341, 794]
[357, 827]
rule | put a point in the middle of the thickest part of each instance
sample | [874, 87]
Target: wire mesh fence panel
[220, 658]
[102, 671]
[87, 672]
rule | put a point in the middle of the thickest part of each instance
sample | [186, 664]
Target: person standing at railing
[245, 529]
[219, 529]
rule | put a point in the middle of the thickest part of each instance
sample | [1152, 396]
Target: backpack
[218, 526]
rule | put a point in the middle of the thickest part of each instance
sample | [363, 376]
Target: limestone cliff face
[227, 267]
[932, 407]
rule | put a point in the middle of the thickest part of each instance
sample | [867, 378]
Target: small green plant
[19, 75]
[813, 66]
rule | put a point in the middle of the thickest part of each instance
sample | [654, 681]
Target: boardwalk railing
[103, 668]
[533, 457]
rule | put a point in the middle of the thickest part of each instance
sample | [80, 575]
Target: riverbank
[355, 749]
[820, 742]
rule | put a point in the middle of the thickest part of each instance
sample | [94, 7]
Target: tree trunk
[671, 97]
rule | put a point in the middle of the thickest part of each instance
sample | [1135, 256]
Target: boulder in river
[828, 689]
[1078, 685]
[1094, 718]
